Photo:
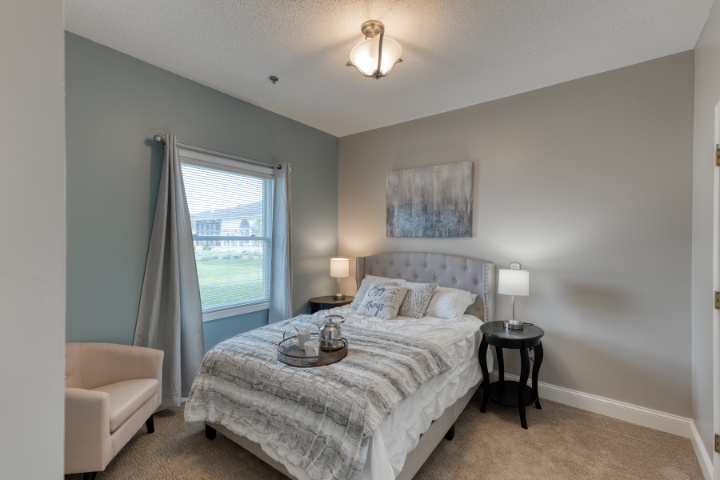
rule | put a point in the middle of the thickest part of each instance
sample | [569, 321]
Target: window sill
[233, 311]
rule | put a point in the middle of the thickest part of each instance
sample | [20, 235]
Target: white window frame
[216, 162]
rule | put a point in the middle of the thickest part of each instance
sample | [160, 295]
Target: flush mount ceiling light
[376, 55]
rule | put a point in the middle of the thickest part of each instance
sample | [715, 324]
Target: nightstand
[506, 392]
[328, 302]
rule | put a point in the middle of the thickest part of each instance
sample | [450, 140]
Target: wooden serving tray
[289, 352]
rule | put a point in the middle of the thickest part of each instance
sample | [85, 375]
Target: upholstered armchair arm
[105, 363]
[87, 430]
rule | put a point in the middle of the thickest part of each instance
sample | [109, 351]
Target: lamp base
[513, 324]
[339, 296]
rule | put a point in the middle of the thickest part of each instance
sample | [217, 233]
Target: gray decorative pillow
[382, 301]
[417, 299]
[360, 295]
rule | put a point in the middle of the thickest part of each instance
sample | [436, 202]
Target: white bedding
[400, 432]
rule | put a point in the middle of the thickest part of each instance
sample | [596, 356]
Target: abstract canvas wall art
[430, 201]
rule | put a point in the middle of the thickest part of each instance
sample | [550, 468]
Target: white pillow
[449, 303]
[382, 301]
[360, 295]
[417, 299]
[374, 279]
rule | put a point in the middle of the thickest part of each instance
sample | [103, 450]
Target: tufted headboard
[471, 274]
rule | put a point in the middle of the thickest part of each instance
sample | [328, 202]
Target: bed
[407, 434]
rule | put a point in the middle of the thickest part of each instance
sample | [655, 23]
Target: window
[230, 207]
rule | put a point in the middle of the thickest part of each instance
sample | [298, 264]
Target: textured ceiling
[456, 52]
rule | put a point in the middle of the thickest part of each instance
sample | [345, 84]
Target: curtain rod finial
[159, 139]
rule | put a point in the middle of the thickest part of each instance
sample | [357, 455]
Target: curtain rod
[160, 139]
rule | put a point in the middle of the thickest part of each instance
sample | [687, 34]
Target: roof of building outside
[248, 210]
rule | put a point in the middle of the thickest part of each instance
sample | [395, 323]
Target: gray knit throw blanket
[319, 419]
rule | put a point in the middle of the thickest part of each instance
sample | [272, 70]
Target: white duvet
[400, 432]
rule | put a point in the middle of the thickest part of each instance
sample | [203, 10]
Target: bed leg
[450, 433]
[210, 433]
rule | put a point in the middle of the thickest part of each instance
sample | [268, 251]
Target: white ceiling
[456, 52]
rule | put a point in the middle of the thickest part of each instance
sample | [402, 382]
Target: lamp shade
[514, 282]
[365, 56]
[339, 267]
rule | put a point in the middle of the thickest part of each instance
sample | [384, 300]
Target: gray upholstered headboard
[471, 274]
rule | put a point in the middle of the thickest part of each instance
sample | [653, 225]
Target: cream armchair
[110, 391]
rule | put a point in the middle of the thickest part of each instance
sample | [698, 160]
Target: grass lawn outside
[229, 281]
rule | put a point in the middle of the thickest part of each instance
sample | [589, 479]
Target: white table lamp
[339, 268]
[514, 282]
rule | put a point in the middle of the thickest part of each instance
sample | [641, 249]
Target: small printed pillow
[360, 295]
[417, 299]
[382, 301]
[449, 303]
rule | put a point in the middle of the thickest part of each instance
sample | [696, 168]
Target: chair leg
[451, 433]
[210, 433]
[89, 475]
[150, 424]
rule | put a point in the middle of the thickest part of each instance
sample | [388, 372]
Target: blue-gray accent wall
[115, 104]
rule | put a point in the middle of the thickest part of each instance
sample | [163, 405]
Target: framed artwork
[431, 202]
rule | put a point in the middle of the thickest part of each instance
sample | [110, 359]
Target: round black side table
[328, 302]
[509, 393]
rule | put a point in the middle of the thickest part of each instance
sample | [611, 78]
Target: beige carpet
[561, 443]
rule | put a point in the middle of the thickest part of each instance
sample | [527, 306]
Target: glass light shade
[514, 282]
[339, 267]
[365, 56]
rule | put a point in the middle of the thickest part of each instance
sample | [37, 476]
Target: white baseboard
[646, 417]
[706, 464]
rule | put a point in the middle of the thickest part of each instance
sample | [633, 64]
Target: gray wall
[707, 96]
[32, 257]
[587, 184]
[115, 104]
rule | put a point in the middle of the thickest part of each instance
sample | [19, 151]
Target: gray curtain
[281, 259]
[170, 313]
